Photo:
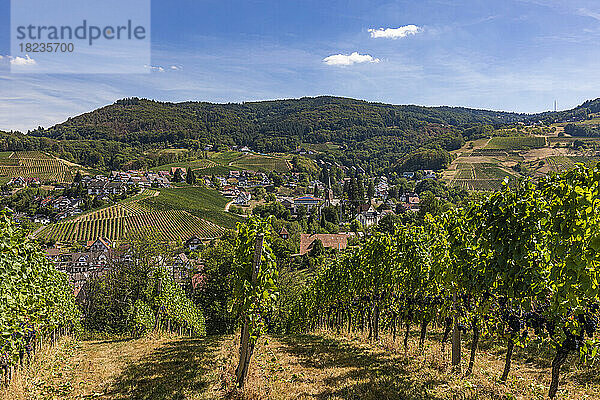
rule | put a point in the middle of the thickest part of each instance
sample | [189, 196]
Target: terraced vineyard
[563, 163]
[33, 164]
[515, 143]
[199, 164]
[116, 222]
[479, 176]
[256, 162]
[487, 153]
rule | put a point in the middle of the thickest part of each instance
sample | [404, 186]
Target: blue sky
[505, 55]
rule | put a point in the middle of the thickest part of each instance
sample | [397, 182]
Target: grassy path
[122, 369]
[317, 367]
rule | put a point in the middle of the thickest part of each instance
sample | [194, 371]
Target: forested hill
[375, 136]
[279, 125]
[580, 112]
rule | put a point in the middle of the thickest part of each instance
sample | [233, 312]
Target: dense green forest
[372, 135]
[375, 136]
[582, 130]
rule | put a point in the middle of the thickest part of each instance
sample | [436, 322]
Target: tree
[429, 204]
[140, 295]
[259, 192]
[178, 177]
[190, 177]
[388, 223]
[317, 249]
[371, 191]
[316, 191]
[276, 178]
[331, 214]
[215, 292]
[360, 189]
[78, 177]
[215, 182]
[355, 226]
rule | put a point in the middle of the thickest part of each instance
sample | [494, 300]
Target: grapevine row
[36, 300]
[521, 267]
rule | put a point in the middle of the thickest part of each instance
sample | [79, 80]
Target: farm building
[242, 199]
[99, 245]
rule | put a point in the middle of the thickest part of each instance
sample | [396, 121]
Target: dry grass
[147, 368]
[318, 366]
[327, 366]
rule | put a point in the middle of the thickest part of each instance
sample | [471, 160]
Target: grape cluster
[536, 322]
[590, 325]
[572, 342]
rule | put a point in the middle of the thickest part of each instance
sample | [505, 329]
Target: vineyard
[262, 162]
[201, 202]
[38, 309]
[487, 153]
[479, 176]
[129, 217]
[520, 269]
[564, 163]
[199, 164]
[36, 301]
[222, 163]
[515, 143]
[32, 164]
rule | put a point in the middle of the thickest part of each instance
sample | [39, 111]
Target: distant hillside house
[338, 241]
[287, 203]
[242, 199]
[95, 187]
[367, 215]
[410, 201]
[307, 201]
[99, 245]
[41, 219]
[193, 243]
[181, 268]
[284, 234]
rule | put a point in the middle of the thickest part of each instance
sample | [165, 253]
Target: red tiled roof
[198, 281]
[337, 241]
[53, 251]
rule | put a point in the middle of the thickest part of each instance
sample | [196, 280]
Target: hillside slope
[373, 135]
[127, 134]
[307, 119]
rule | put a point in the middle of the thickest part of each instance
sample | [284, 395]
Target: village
[353, 197]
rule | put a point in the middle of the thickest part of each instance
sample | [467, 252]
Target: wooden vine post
[246, 347]
[455, 338]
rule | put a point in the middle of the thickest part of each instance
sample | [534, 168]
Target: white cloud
[1, 56]
[354, 58]
[395, 33]
[589, 13]
[176, 67]
[22, 61]
[156, 68]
